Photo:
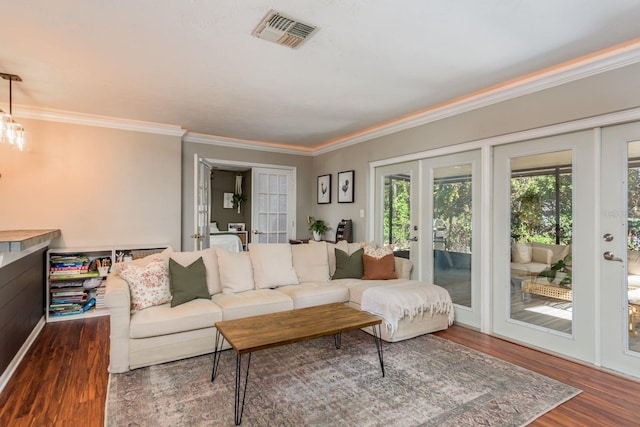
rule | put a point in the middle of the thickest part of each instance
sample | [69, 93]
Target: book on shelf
[74, 276]
[68, 271]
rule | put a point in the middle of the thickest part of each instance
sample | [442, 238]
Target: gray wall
[225, 182]
[302, 163]
[608, 92]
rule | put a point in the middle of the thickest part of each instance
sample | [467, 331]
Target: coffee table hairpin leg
[216, 355]
[377, 336]
[239, 406]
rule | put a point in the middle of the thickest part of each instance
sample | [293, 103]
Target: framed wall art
[324, 189]
[345, 186]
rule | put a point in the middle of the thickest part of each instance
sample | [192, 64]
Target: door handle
[414, 239]
[609, 256]
[256, 232]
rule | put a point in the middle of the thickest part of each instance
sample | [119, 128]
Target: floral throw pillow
[149, 285]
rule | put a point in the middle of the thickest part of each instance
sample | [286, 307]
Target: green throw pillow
[188, 283]
[349, 266]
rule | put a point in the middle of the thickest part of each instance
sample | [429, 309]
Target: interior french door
[202, 177]
[397, 202]
[544, 195]
[273, 207]
[619, 244]
[451, 245]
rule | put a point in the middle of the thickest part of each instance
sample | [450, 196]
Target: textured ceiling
[195, 64]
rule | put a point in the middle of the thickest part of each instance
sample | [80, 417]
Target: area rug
[429, 381]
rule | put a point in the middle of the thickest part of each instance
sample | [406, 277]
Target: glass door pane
[632, 290]
[451, 244]
[395, 222]
[452, 231]
[633, 246]
[541, 234]
[397, 213]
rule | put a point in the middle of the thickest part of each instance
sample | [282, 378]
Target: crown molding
[97, 121]
[618, 56]
[610, 59]
[272, 147]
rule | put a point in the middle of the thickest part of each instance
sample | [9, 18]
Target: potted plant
[237, 199]
[561, 270]
[319, 227]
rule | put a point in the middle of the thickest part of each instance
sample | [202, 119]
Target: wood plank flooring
[63, 380]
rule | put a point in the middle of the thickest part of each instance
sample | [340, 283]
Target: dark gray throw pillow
[187, 283]
[349, 266]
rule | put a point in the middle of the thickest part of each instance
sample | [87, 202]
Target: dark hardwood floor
[63, 380]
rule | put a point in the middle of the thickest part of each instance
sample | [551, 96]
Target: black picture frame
[323, 195]
[345, 186]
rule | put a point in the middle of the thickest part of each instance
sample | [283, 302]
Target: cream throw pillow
[311, 262]
[210, 259]
[236, 272]
[521, 253]
[149, 285]
[272, 265]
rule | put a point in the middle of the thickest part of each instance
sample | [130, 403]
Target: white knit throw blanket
[394, 301]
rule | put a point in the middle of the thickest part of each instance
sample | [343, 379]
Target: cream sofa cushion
[633, 262]
[252, 303]
[311, 262]
[272, 265]
[310, 294]
[521, 253]
[165, 320]
[331, 252]
[210, 259]
[541, 255]
[236, 272]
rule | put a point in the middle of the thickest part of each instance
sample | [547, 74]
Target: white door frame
[201, 196]
[293, 196]
[470, 316]
[581, 343]
[291, 202]
[613, 219]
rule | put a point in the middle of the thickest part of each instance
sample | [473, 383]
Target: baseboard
[15, 362]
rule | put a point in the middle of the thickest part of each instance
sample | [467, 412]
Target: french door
[619, 243]
[429, 211]
[451, 185]
[543, 257]
[397, 219]
[273, 207]
[202, 177]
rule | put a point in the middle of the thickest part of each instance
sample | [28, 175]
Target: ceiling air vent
[282, 29]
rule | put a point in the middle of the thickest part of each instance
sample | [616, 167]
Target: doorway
[211, 193]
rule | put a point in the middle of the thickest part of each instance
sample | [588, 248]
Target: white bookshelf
[76, 279]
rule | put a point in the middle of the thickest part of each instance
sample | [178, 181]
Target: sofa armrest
[403, 267]
[541, 255]
[118, 301]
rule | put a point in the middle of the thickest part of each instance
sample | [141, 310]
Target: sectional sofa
[266, 279]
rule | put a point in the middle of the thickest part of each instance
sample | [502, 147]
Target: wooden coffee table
[286, 327]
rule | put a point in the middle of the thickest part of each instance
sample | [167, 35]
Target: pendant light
[11, 132]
